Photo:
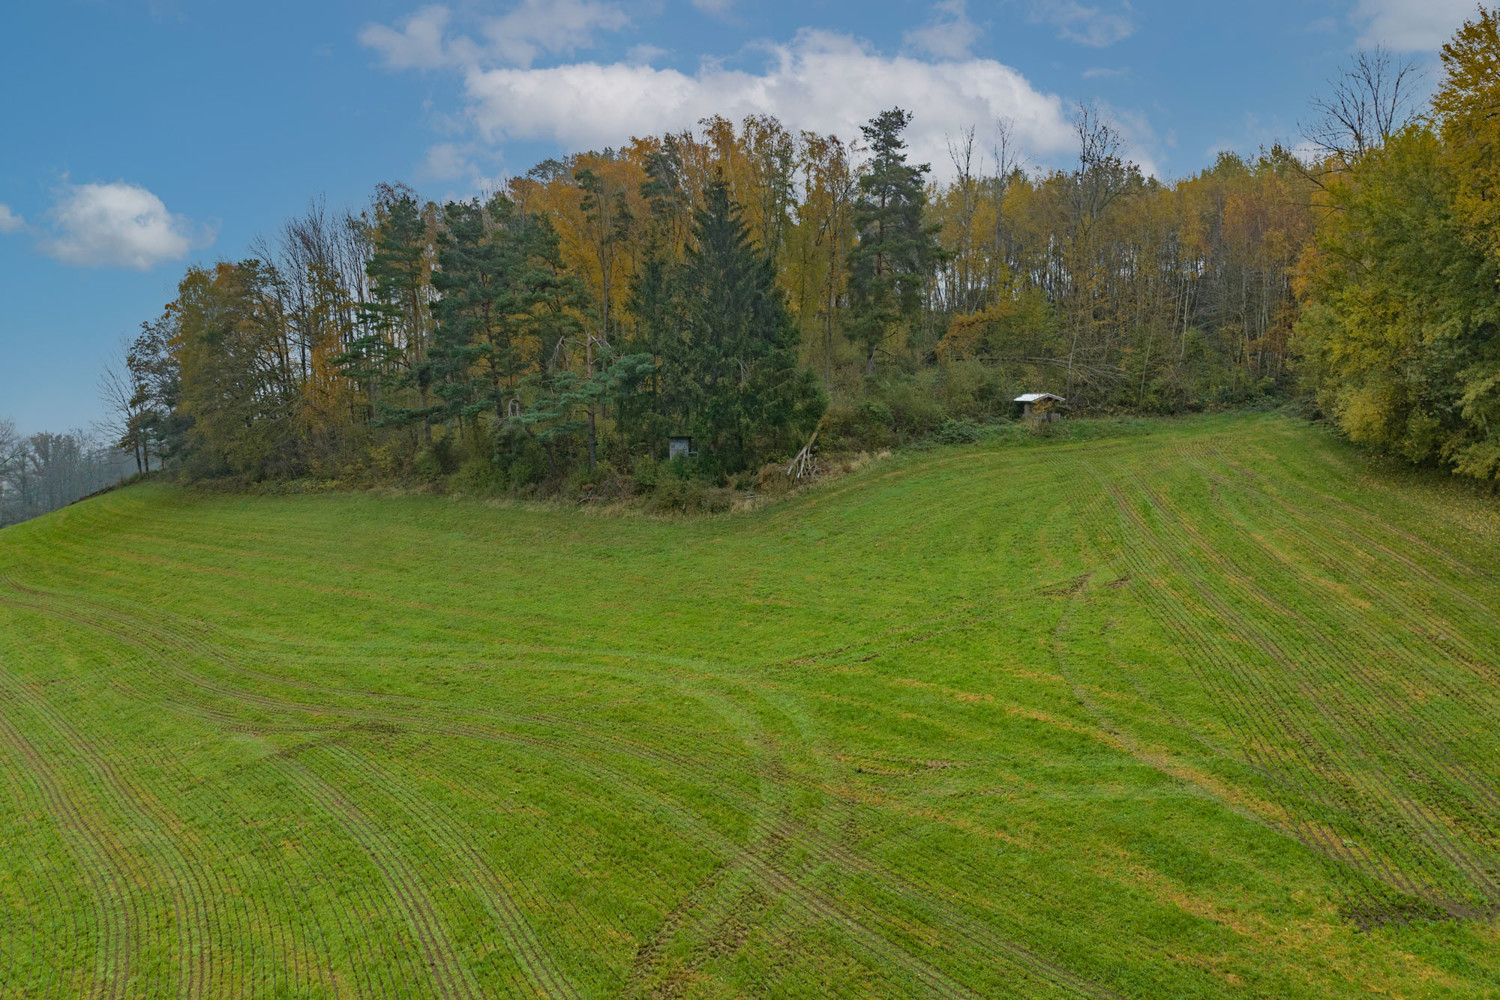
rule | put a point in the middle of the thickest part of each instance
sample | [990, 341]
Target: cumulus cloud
[10, 222]
[822, 81]
[1410, 25]
[117, 225]
[1086, 24]
[520, 35]
[417, 44]
[949, 34]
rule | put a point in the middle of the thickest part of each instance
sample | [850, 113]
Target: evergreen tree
[726, 369]
[396, 321]
[506, 298]
[896, 250]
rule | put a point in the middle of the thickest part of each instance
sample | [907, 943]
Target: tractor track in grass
[1246, 717]
[448, 976]
[357, 910]
[1024, 959]
[197, 648]
[1323, 543]
[827, 849]
[1420, 722]
[1412, 814]
[119, 926]
[1362, 691]
[172, 680]
[212, 906]
[141, 814]
[1314, 755]
[1356, 543]
[811, 902]
[674, 763]
[553, 985]
[56, 890]
[262, 702]
[1463, 567]
[833, 852]
[1202, 656]
[561, 849]
[648, 954]
[499, 896]
[819, 847]
[1021, 956]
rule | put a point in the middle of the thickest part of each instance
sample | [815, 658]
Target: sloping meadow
[1209, 711]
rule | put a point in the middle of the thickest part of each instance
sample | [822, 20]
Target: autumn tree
[237, 381]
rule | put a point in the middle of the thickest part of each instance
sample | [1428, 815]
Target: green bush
[438, 459]
[958, 432]
[913, 403]
[865, 425]
[479, 474]
[646, 473]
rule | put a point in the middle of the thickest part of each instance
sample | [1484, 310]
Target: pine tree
[396, 337]
[896, 250]
[506, 302]
[726, 347]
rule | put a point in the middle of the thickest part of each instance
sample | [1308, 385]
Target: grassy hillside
[1209, 711]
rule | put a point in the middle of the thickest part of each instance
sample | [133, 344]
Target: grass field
[1207, 708]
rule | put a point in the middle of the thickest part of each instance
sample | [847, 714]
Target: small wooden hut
[679, 447]
[1040, 406]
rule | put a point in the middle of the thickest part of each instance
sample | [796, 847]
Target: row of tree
[727, 284]
[44, 471]
[744, 284]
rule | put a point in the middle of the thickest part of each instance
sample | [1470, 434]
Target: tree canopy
[743, 284]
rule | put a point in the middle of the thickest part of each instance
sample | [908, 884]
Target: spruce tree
[396, 325]
[505, 297]
[727, 371]
[896, 250]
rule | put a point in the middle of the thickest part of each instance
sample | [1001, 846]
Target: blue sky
[138, 136]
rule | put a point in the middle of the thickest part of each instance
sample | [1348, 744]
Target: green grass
[1207, 708]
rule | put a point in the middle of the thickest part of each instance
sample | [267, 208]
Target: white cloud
[1410, 25]
[822, 81]
[117, 225]
[517, 37]
[418, 45]
[553, 26]
[644, 53]
[10, 222]
[949, 34]
[1084, 23]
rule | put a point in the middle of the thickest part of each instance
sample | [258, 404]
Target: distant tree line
[743, 285]
[746, 285]
[44, 471]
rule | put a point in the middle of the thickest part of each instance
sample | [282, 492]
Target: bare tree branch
[1368, 102]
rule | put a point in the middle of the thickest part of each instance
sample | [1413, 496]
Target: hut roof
[1033, 397]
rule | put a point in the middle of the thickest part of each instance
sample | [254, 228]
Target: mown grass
[1203, 708]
